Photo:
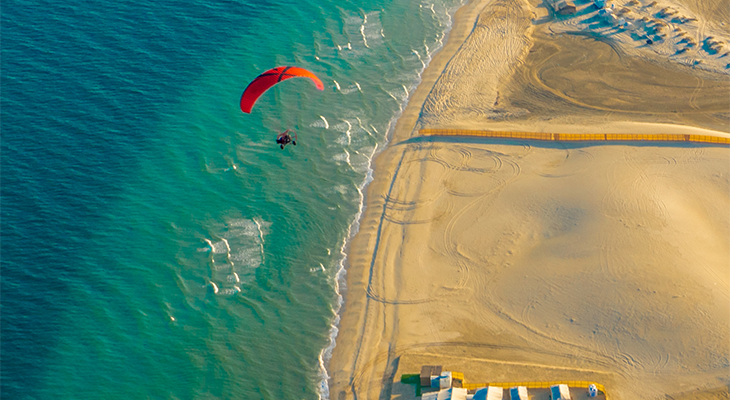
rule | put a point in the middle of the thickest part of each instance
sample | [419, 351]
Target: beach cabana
[564, 7]
[518, 393]
[559, 392]
[428, 372]
[445, 380]
[446, 394]
[489, 393]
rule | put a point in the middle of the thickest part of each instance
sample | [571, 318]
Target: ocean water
[156, 243]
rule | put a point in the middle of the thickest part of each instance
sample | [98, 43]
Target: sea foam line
[362, 31]
[340, 284]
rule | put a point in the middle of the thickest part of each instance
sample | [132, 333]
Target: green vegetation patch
[414, 379]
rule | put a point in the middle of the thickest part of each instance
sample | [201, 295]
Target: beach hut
[428, 372]
[518, 393]
[563, 7]
[489, 393]
[608, 16]
[566, 7]
[445, 380]
[559, 392]
[446, 394]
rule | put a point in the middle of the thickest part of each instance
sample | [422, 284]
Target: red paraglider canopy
[263, 82]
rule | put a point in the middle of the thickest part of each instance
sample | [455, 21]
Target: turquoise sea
[156, 243]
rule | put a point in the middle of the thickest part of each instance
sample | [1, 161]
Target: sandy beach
[524, 260]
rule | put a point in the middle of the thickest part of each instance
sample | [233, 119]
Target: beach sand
[525, 261]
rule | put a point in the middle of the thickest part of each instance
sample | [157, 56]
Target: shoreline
[464, 18]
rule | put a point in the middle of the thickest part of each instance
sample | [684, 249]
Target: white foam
[317, 124]
[342, 189]
[217, 247]
[320, 269]
[362, 32]
[419, 58]
[339, 282]
[359, 123]
[261, 236]
[343, 157]
[351, 89]
[242, 244]
[348, 132]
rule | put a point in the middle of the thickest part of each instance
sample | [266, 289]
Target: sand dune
[518, 261]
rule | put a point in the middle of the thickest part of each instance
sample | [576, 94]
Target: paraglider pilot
[285, 138]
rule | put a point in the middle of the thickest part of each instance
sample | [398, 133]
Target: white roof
[445, 380]
[458, 393]
[430, 396]
[446, 394]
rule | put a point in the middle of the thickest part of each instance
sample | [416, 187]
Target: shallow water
[155, 241]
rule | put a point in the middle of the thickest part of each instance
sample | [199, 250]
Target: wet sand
[510, 260]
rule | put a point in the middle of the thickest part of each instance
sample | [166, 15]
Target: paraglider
[266, 80]
[285, 138]
[263, 82]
